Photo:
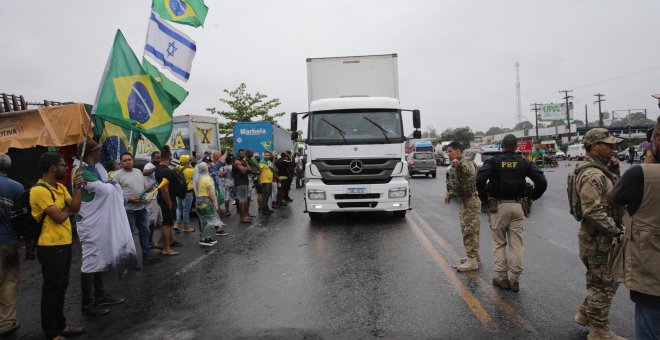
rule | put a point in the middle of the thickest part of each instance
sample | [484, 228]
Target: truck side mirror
[294, 121]
[417, 123]
[417, 133]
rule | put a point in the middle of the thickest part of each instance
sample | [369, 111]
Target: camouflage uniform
[597, 231]
[462, 185]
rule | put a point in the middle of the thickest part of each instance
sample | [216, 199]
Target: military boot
[581, 318]
[602, 334]
[470, 264]
[463, 259]
[514, 284]
[502, 282]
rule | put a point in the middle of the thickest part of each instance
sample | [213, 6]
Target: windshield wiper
[341, 132]
[380, 127]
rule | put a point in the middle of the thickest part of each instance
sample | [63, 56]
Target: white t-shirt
[149, 179]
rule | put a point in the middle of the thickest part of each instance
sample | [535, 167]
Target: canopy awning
[55, 126]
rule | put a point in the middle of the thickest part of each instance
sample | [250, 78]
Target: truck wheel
[400, 213]
[433, 174]
[314, 216]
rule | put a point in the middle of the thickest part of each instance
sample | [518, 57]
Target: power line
[617, 78]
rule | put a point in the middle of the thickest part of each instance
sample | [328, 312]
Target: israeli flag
[173, 49]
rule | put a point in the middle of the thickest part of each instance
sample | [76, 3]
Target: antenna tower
[519, 117]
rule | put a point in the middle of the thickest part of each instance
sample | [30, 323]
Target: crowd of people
[108, 205]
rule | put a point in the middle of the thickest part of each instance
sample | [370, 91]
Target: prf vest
[642, 247]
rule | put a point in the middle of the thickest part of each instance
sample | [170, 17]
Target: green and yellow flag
[187, 12]
[177, 93]
[131, 98]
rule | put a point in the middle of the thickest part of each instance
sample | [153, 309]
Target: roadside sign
[554, 111]
[524, 146]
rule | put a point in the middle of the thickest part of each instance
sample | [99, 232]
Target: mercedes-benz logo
[355, 166]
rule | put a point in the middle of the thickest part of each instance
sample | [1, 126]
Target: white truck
[190, 133]
[355, 138]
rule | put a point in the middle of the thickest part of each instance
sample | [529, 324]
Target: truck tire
[400, 213]
[314, 216]
[433, 174]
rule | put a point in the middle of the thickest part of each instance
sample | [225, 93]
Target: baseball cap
[184, 159]
[600, 135]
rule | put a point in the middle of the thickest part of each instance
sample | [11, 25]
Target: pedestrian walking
[462, 186]
[632, 153]
[501, 184]
[10, 190]
[153, 209]
[132, 184]
[266, 181]
[166, 202]
[183, 205]
[206, 205]
[104, 232]
[639, 190]
[592, 179]
[51, 203]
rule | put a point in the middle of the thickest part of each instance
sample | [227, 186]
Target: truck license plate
[357, 190]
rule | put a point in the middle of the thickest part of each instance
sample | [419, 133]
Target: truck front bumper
[357, 197]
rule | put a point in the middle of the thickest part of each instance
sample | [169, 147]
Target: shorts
[242, 193]
[230, 193]
[155, 214]
[286, 183]
[257, 186]
[169, 215]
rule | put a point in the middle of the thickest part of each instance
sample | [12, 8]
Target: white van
[576, 151]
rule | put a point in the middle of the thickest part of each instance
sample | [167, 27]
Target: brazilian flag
[131, 98]
[187, 12]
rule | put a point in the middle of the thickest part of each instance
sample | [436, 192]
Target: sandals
[176, 244]
[188, 229]
[246, 221]
[170, 253]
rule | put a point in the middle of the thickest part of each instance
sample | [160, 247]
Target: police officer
[501, 183]
[462, 186]
[599, 227]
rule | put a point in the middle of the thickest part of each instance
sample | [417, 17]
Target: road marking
[190, 265]
[469, 298]
[487, 288]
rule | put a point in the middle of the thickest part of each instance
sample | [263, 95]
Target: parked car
[576, 151]
[560, 155]
[480, 156]
[422, 163]
[625, 155]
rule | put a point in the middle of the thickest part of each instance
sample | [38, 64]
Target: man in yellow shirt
[266, 180]
[183, 205]
[54, 243]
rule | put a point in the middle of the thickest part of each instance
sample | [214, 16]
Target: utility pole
[586, 120]
[536, 116]
[600, 112]
[568, 111]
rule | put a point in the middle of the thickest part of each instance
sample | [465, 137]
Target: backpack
[574, 204]
[178, 186]
[24, 225]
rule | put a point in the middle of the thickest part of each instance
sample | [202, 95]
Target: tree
[634, 119]
[493, 131]
[462, 134]
[479, 133]
[578, 122]
[525, 125]
[245, 107]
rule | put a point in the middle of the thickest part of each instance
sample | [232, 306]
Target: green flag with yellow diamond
[177, 93]
[187, 12]
[131, 98]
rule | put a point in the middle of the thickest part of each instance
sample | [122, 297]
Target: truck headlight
[316, 194]
[397, 192]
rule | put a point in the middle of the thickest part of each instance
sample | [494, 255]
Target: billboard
[257, 136]
[554, 111]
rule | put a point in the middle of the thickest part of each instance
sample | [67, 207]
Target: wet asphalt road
[347, 276]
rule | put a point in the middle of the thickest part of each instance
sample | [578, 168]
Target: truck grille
[357, 204]
[374, 170]
[356, 196]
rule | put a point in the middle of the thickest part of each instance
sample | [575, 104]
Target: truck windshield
[354, 126]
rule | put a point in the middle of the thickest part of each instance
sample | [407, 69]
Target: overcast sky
[456, 58]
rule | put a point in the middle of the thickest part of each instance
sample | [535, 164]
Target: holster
[492, 205]
[526, 204]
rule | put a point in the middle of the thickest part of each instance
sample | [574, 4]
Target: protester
[153, 209]
[300, 167]
[639, 190]
[219, 161]
[291, 169]
[228, 189]
[183, 205]
[266, 181]
[166, 202]
[240, 171]
[275, 198]
[206, 205]
[112, 167]
[9, 267]
[50, 201]
[285, 174]
[132, 183]
[104, 232]
[253, 177]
